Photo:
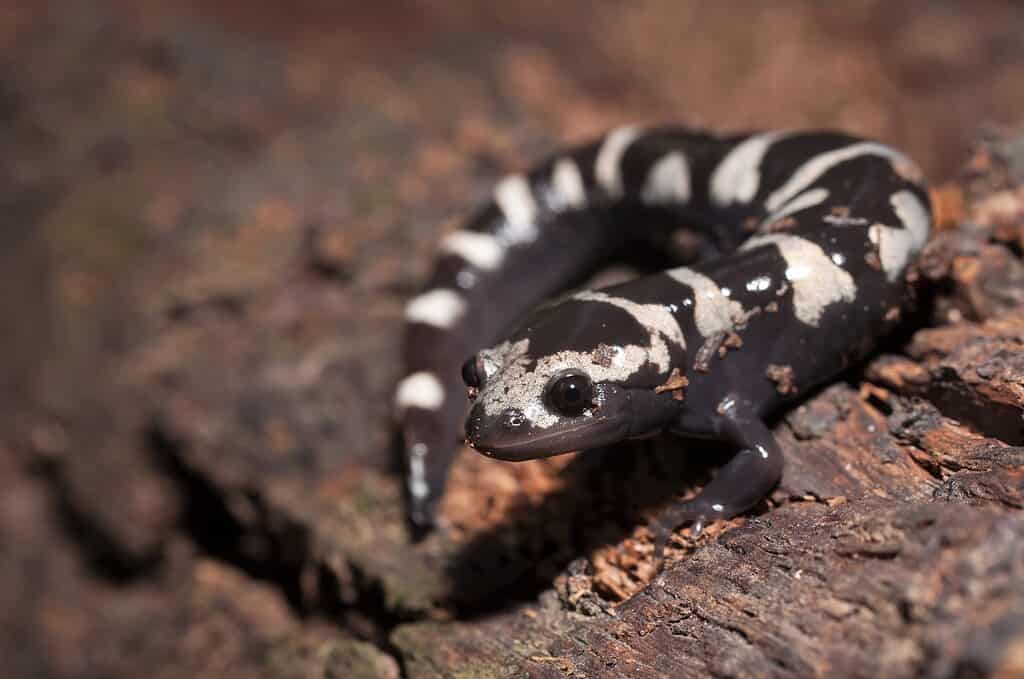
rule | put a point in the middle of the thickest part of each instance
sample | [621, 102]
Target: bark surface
[214, 218]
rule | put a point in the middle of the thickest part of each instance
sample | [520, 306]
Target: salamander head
[579, 374]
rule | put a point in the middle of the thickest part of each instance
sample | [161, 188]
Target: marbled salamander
[813, 235]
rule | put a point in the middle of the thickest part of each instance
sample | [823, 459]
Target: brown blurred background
[212, 214]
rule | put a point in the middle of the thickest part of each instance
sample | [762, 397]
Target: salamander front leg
[737, 487]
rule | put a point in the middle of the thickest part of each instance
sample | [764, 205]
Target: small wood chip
[782, 376]
[676, 382]
[731, 341]
[947, 206]
[604, 354]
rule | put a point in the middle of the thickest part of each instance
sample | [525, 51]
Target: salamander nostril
[513, 418]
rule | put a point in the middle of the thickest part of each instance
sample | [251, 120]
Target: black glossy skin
[771, 355]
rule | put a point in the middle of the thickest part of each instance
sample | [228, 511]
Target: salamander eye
[570, 393]
[473, 373]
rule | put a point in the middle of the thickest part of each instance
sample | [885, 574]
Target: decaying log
[892, 547]
[201, 470]
[866, 589]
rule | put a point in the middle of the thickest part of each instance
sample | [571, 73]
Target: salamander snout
[480, 426]
[491, 433]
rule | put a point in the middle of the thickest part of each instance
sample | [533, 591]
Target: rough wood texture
[867, 589]
[215, 216]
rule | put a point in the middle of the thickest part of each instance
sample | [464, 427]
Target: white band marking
[482, 250]
[419, 390]
[668, 180]
[738, 176]
[713, 312]
[813, 169]
[568, 184]
[515, 200]
[817, 281]
[417, 481]
[655, 318]
[896, 245]
[914, 216]
[803, 201]
[608, 166]
[440, 308]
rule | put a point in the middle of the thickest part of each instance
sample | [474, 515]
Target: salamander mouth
[535, 443]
